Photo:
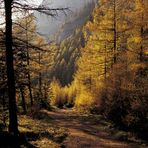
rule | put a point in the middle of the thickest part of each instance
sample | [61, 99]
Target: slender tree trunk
[13, 123]
[141, 48]
[105, 67]
[29, 77]
[28, 63]
[40, 75]
[115, 34]
[142, 32]
[105, 59]
[40, 82]
[23, 100]
[30, 89]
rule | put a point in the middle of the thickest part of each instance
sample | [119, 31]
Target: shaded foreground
[66, 128]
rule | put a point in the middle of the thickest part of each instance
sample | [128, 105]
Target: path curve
[86, 131]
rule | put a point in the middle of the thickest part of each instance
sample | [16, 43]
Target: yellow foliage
[84, 101]
[62, 96]
[135, 67]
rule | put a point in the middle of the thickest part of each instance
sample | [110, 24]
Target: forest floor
[69, 129]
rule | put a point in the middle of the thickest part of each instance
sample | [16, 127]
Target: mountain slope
[49, 26]
[76, 22]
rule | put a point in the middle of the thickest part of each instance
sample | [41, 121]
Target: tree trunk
[23, 100]
[13, 123]
[28, 64]
[105, 60]
[115, 34]
[40, 83]
[30, 90]
[141, 32]
[141, 48]
[29, 79]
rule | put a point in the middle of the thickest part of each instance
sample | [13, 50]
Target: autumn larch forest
[73, 74]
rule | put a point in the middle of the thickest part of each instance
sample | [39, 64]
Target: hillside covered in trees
[86, 87]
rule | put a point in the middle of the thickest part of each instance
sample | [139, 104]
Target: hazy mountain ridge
[78, 21]
[63, 25]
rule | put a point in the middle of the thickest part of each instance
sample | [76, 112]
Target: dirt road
[89, 131]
